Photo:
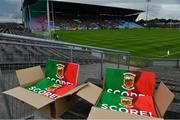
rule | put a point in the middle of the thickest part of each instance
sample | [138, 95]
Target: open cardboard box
[52, 108]
[92, 93]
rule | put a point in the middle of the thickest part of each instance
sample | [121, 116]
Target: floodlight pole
[22, 11]
[147, 11]
[52, 9]
[29, 17]
[48, 18]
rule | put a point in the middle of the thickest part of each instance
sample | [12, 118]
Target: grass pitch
[148, 43]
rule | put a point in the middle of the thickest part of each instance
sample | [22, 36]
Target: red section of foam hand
[63, 90]
[71, 73]
[144, 83]
[145, 103]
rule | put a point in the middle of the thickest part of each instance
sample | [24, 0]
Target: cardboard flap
[33, 99]
[163, 98]
[98, 113]
[90, 93]
[76, 89]
[29, 75]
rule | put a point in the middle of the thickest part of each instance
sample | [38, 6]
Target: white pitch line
[178, 52]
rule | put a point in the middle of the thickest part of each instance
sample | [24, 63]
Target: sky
[10, 9]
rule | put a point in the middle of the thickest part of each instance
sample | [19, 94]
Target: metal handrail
[61, 43]
[57, 47]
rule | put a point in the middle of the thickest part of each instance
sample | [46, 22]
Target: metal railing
[156, 62]
[25, 39]
[18, 52]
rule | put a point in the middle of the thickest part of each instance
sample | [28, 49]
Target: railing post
[102, 66]
[118, 64]
[4, 96]
[177, 65]
[71, 55]
[128, 61]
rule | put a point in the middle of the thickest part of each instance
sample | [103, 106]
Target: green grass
[149, 43]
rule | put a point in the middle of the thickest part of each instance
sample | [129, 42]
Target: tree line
[157, 20]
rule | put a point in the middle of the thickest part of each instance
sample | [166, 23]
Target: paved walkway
[3, 112]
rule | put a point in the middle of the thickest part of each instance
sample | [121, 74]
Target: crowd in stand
[88, 24]
[67, 23]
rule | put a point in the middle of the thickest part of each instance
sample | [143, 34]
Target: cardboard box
[92, 93]
[51, 108]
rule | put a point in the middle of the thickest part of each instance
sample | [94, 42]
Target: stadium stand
[15, 51]
[31, 54]
[16, 29]
[65, 15]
